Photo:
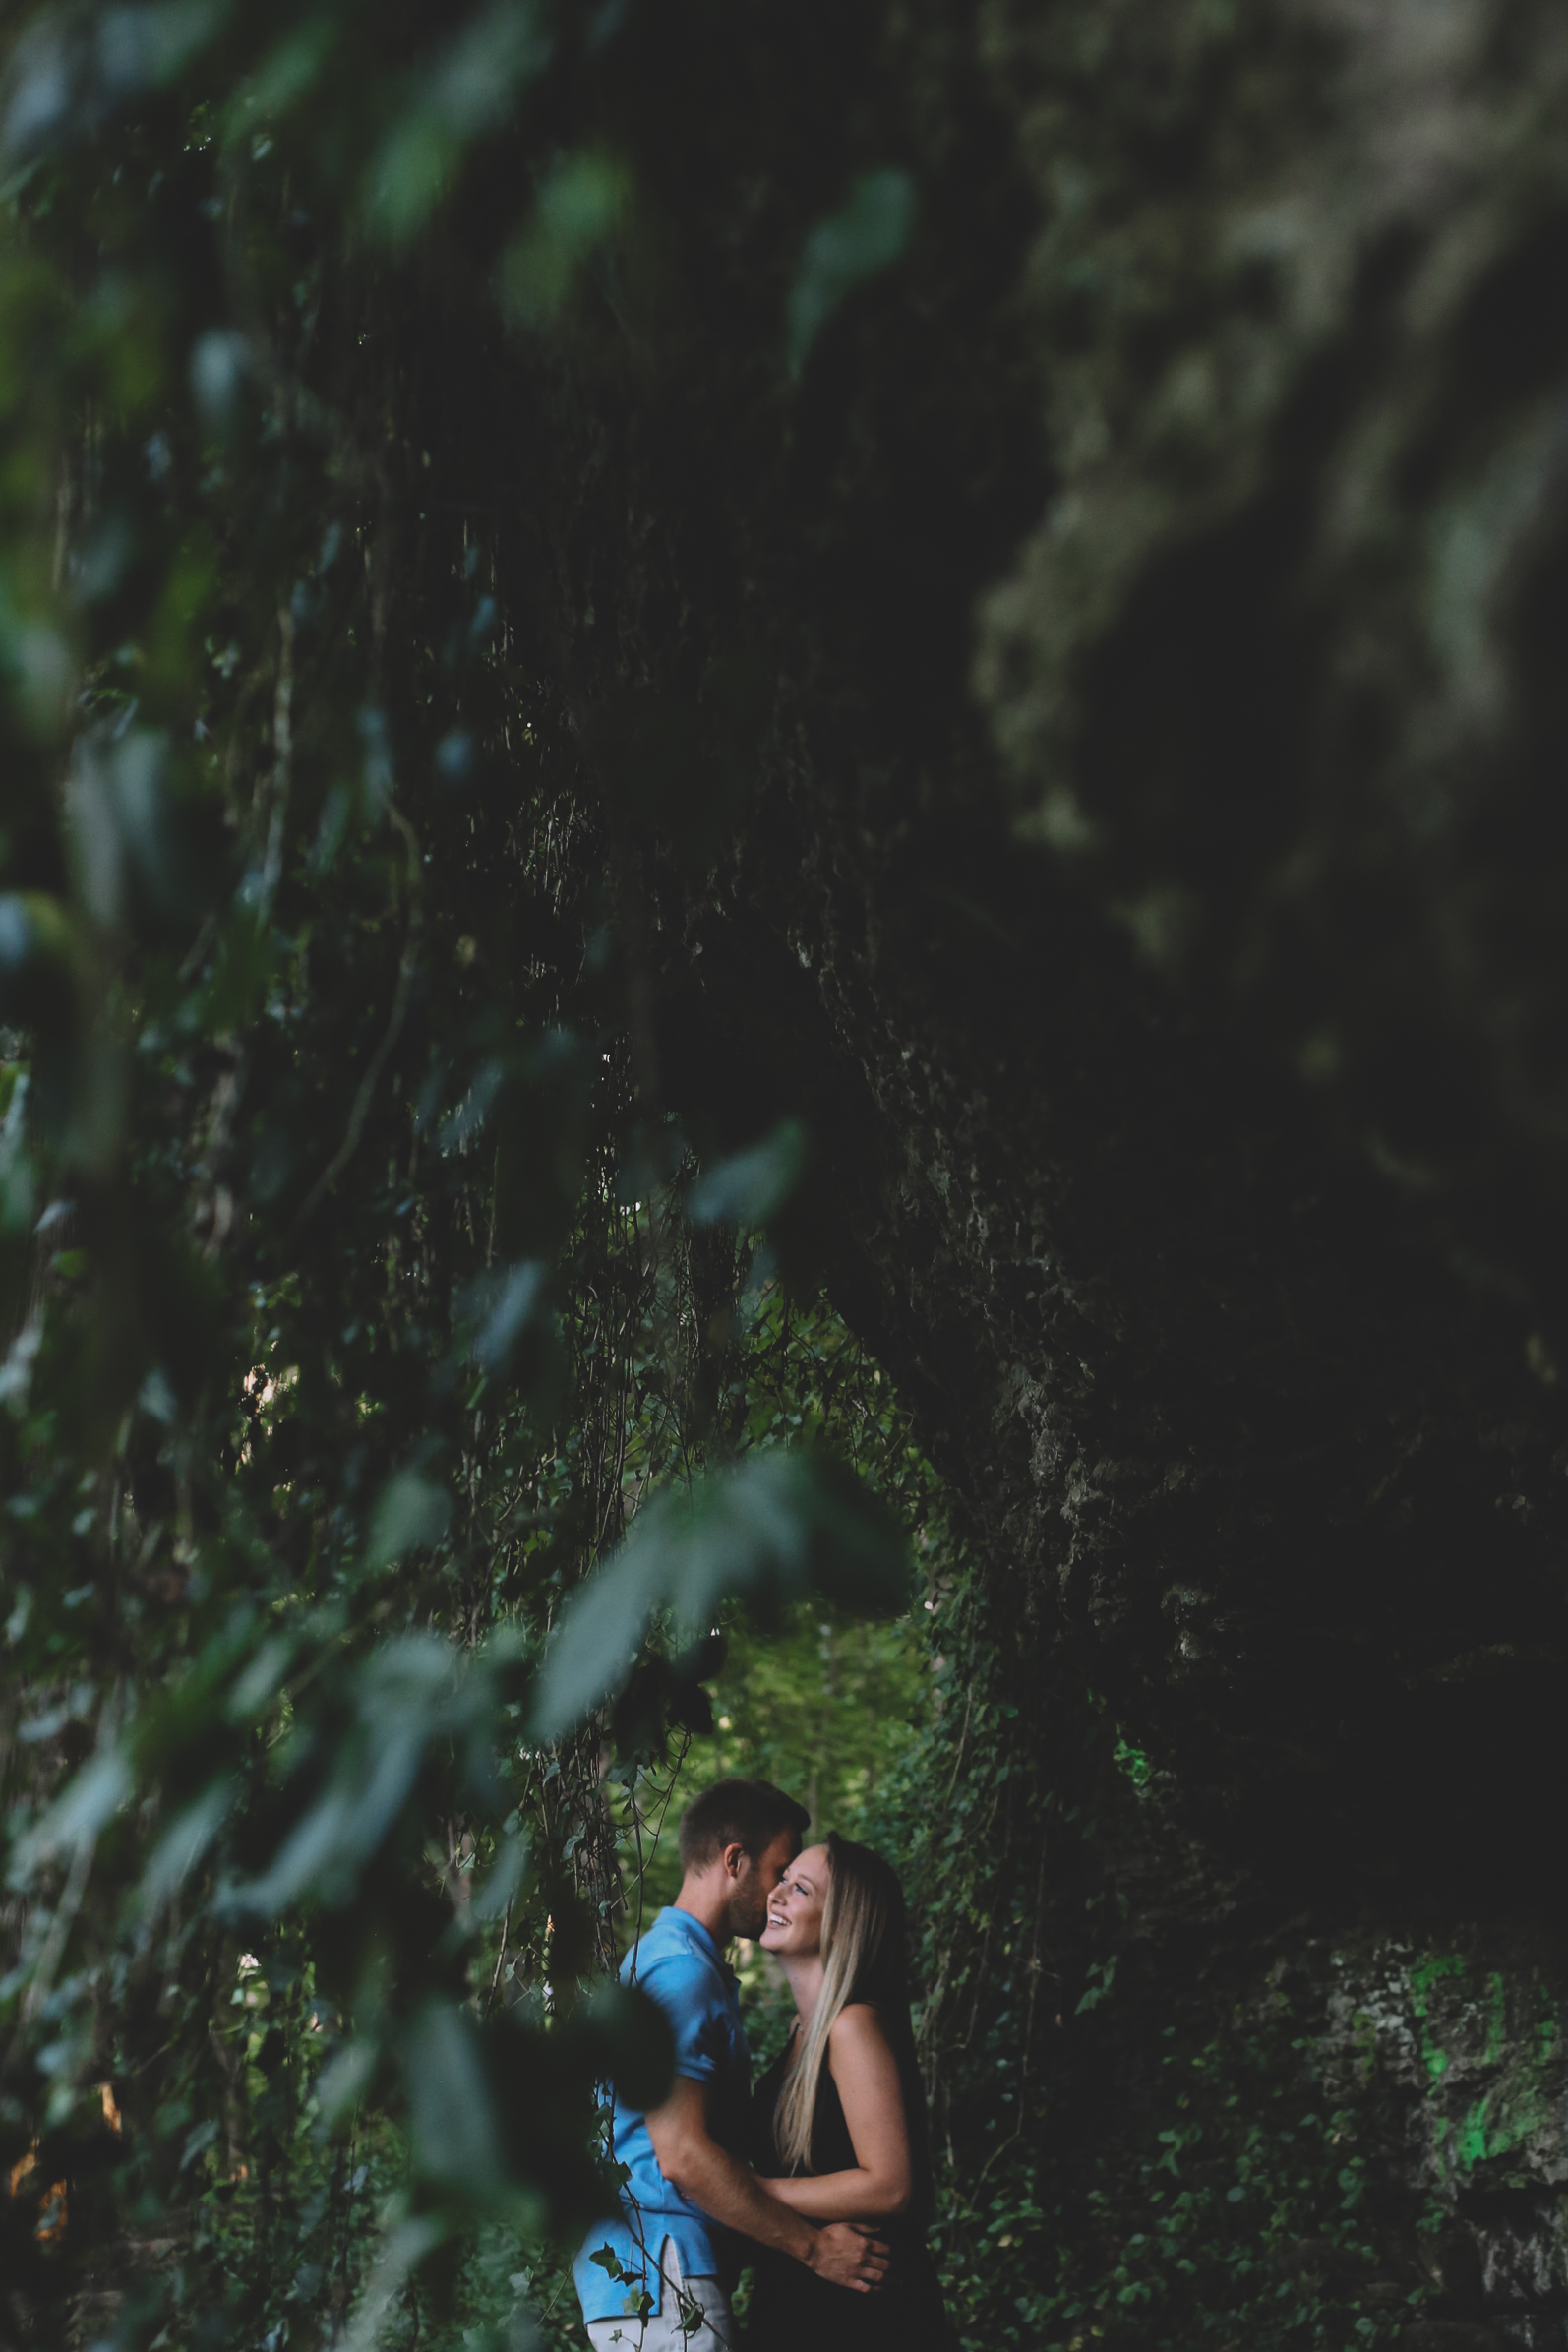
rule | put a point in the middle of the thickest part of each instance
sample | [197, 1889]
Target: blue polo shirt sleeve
[691, 1993]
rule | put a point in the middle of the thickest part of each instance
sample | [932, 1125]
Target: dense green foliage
[580, 1207]
[358, 1296]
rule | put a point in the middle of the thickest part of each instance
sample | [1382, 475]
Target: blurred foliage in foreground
[358, 1296]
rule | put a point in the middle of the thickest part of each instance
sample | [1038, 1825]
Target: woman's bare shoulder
[856, 2026]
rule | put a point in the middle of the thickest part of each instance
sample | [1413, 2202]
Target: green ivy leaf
[771, 1531]
[752, 1186]
[866, 237]
[456, 2139]
[411, 1515]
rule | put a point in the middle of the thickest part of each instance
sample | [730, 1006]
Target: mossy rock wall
[1469, 2036]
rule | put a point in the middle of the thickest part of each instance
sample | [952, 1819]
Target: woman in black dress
[838, 2121]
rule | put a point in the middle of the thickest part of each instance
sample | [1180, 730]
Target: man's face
[754, 1881]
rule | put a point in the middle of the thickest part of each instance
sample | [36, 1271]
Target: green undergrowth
[1149, 2136]
[1242, 2208]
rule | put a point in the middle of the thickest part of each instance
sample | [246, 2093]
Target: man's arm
[692, 2162]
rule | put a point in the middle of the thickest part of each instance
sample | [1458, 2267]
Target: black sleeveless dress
[792, 2309]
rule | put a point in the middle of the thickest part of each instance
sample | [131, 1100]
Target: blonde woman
[838, 2120]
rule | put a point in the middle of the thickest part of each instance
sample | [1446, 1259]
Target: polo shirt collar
[695, 1934]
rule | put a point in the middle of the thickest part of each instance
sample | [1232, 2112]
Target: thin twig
[271, 867]
[506, 1929]
[399, 1009]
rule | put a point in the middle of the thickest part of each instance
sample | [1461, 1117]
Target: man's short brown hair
[745, 1813]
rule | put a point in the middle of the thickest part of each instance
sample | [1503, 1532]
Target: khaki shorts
[693, 2316]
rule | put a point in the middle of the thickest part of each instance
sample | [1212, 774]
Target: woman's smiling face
[795, 1907]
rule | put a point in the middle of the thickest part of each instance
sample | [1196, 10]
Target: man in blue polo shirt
[690, 2199]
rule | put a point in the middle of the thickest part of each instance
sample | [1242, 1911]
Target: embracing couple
[820, 2178]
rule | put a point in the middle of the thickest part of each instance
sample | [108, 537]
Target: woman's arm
[692, 2162]
[865, 2073]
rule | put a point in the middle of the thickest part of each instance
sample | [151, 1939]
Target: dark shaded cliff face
[1228, 1426]
[1153, 896]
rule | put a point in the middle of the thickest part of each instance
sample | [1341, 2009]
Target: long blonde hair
[864, 1958]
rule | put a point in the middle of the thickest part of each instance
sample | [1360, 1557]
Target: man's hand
[847, 2256]
[692, 2162]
